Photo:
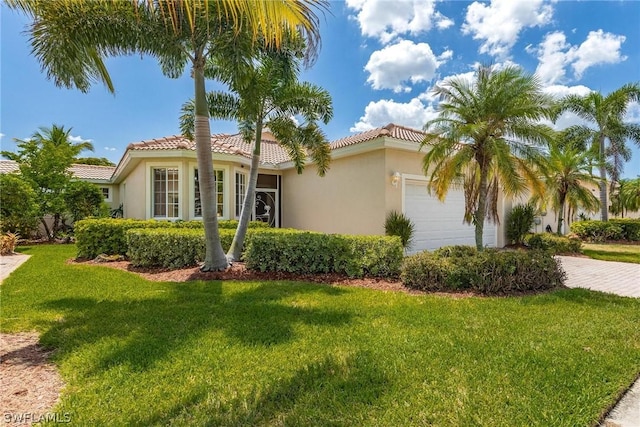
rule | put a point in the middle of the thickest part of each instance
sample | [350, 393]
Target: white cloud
[413, 114]
[393, 66]
[552, 57]
[442, 22]
[77, 139]
[110, 148]
[598, 48]
[555, 54]
[1, 135]
[559, 91]
[633, 113]
[386, 20]
[499, 23]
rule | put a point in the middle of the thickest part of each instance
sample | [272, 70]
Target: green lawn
[612, 252]
[135, 352]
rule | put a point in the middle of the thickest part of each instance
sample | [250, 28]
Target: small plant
[397, 224]
[519, 222]
[553, 243]
[8, 243]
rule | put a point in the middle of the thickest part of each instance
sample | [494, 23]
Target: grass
[612, 252]
[135, 352]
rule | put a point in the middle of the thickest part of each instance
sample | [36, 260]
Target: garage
[438, 223]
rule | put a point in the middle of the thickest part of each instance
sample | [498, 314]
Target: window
[165, 193]
[241, 189]
[106, 193]
[218, 193]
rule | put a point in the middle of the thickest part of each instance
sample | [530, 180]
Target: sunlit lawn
[612, 252]
[135, 352]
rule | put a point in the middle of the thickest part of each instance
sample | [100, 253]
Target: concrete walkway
[620, 278]
[617, 278]
[8, 263]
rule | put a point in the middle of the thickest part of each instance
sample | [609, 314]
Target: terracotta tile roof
[92, 171]
[8, 166]
[271, 152]
[390, 130]
[78, 170]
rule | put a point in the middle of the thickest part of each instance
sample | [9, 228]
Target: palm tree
[486, 140]
[568, 171]
[606, 114]
[44, 160]
[625, 197]
[71, 38]
[266, 93]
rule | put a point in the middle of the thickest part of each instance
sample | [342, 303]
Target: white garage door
[440, 223]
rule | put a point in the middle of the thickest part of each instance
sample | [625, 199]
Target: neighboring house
[99, 175]
[371, 173]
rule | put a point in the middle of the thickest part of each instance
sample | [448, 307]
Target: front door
[266, 207]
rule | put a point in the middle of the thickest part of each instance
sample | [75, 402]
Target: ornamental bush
[630, 228]
[311, 253]
[108, 235]
[554, 243]
[491, 271]
[598, 231]
[519, 222]
[18, 206]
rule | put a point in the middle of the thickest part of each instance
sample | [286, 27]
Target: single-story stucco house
[371, 174]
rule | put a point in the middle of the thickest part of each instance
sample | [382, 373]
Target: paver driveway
[619, 278]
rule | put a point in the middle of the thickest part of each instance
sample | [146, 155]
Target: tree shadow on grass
[333, 391]
[146, 330]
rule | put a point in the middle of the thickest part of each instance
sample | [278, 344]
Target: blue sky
[379, 60]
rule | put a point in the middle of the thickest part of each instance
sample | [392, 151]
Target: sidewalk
[8, 263]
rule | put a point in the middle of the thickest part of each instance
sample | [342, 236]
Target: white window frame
[109, 198]
[237, 171]
[150, 179]
[225, 190]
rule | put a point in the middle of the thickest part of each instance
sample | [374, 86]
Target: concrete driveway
[618, 278]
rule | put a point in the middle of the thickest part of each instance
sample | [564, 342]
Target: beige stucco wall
[349, 199]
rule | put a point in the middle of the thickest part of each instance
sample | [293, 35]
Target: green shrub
[108, 235]
[519, 222]
[398, 224]
[630, 228]
[18, 206]
[169, 248]
[488, 272]
[554, 243]
[309, 253]
[455, 251]
[597, 231]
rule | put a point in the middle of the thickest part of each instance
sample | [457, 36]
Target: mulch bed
[30, 384]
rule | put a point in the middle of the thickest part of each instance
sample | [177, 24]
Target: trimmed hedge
[311, 253]
[488, 272]
[614, 229]
[554, 243]
[108, 235]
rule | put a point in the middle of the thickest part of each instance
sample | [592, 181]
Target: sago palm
[486, 140]
[267, 93]
[608, 130]
[71, 39]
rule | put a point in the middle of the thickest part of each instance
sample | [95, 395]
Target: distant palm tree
[606, 114]
[568, 173]
[267, 93]
[486, 140]
[625, 197]
[71, 38]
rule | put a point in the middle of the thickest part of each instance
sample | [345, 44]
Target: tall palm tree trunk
[481, 211]
[214, 255]
[235, 251]
[604, 213]
[560, 218]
